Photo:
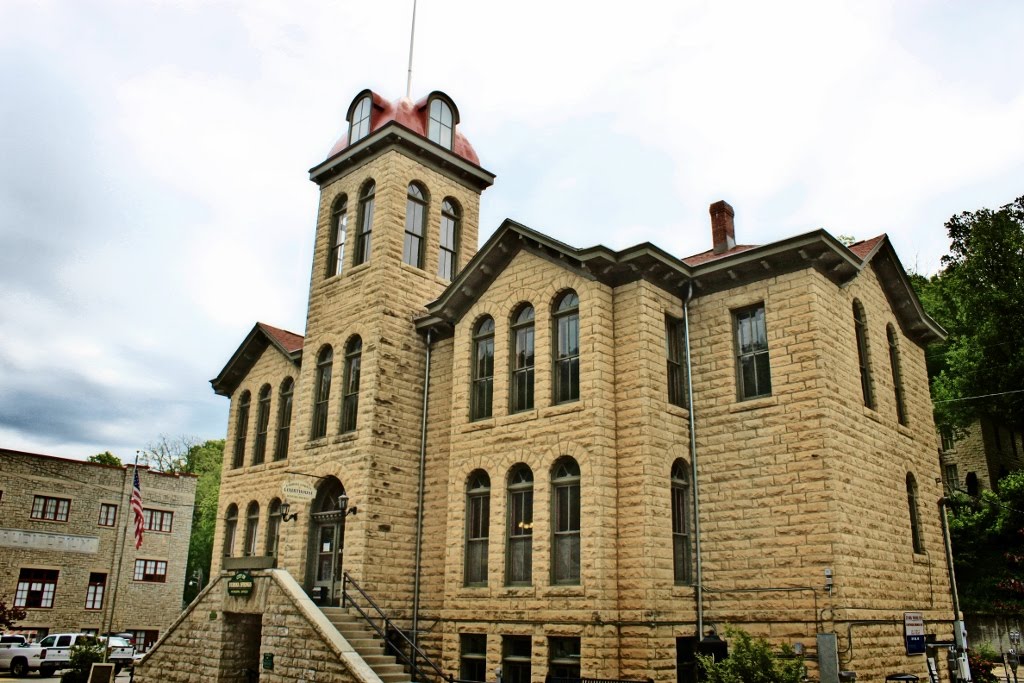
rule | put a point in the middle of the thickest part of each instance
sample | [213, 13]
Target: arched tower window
[441, 124]
[252, 523]
[478, 525]
[482, 392]
[519, 554]
[522, 359]
[339, 231]
[241, 429]
[680, 522]
[972, 484]
[273, 526]
[565, 521]
[350, 388]
[567, 347]
[365, 223]
[897, 376]
[284, 419]
[230, 529]
[259, 450]
[861, 325]
[451, 223]
[360, 123]
[915, 521]
[415, 225]
[322, 392]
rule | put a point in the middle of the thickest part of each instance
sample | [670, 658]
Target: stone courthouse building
[63, 551]
[544, 460]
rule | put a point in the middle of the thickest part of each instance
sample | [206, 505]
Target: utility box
[828, 658]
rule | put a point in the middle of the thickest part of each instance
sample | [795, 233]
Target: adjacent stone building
[542, 460]
[985, 453]
[64, 546]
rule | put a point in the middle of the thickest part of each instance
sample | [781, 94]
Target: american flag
[137, 509]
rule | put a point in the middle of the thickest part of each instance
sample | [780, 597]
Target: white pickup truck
[54, 652]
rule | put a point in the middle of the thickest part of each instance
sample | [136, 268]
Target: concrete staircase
[369, 646]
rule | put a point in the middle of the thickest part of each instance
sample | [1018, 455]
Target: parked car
[14, 657]
[119, 652]
[9, 640]
[49, 654]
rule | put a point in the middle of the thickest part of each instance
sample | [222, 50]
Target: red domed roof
[412, 116]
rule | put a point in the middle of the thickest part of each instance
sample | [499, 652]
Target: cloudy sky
[154, 200]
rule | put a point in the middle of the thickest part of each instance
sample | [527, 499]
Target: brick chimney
[723, 232]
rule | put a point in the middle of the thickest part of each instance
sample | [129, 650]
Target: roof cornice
[247, 353]
[394, 135]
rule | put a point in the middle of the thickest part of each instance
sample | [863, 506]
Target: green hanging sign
[240, 585]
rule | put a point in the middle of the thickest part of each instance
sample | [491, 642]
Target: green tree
[751, 660]
[187, 455]
[106, 458]
[979, 298]
[988, 541]
[9, 615]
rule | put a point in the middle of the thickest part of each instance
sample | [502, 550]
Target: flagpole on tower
[412, 38]
[135, 508]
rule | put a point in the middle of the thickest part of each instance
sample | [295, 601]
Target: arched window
[567, 348]
[241, 429]
[861, 325]
[972, 484]
[915, 522]
[350, 388]
[284, 419]
[482, 392]
[519, 555]
[322, 392]
[565, 521]
[339, 230]
[897, 375]
[252, 523]
[365, 223]
[478, 525]
[680, 522]
[273, 526]
[360, 124]
[440, 126]
[522, 359]
[259, 450]
[451, 221]
[415, 224]
[230, 528]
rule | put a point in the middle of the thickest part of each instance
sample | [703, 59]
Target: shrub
[751, 660]
[82, 658]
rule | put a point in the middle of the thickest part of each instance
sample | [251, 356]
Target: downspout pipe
[419, 496]
[699, 589]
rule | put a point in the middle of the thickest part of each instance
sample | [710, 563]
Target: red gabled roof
[864, 248]
[289, 341]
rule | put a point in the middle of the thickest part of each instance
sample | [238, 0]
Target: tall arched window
[252, 523]
[339, 230]
[365, 223]
[897, 376]
[360, 124]
[415, 225]
[567, 347]
[861, 325]
[441, 124]
[519, 554]
[680, 522]
[259, 450]
[972, 484]
[915, 521]
[322, 392]
[230, 529]
[273, 526]
[241, 429]
[482, 392]
[350, 388]
[284, 419]
[478, 526]
[565, 521]
[522, 359]
[448, 258]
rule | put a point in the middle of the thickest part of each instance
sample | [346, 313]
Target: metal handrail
[382, 630]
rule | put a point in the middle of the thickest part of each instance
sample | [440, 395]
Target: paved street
[34, 678]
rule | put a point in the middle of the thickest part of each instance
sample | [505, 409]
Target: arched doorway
[327, 542]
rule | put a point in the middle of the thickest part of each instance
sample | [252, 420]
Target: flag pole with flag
[136, 505]
[137, 516]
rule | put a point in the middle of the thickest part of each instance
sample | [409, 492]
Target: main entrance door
[327, 542]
